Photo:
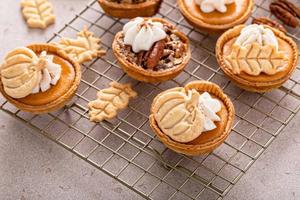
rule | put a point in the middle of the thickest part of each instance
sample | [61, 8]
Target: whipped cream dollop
[141, 34]
[208, 6]
[210, 108]
[257, 33]
[49, 74]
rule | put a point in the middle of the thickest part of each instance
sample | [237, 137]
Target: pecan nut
[269, 22]
[283, 14]
[155, 54]
[291, 7]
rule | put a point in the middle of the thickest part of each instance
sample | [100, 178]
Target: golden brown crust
[208, 141]
[264, 82]
[127, 10]
[58, 103]
[210, 27]
[151, 76]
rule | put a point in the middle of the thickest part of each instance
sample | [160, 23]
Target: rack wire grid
[126, 149]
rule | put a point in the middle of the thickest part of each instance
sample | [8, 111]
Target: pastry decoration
[38, 13]
[178, 115]
[286, 11]
[141, 34]
[269, 22]
[184, 116]
[84, 48]
[208, 6]
[109, 101]
[24, 73]
[256, 51]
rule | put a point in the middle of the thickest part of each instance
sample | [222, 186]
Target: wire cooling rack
[126, 149]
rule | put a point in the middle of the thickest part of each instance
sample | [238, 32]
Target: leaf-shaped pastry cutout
[254, 59]
[84, 48]
[38, 13]
[109, 101]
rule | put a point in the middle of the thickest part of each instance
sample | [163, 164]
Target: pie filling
[164, 54]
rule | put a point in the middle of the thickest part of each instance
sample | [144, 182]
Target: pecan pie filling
[164, 54]
[128, 1]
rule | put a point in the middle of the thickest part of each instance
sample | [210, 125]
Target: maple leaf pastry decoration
[84, 48]
[109, 101]
[38, 13]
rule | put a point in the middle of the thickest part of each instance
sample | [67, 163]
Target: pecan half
[268, 21]
[284, 15]
[155, 54]
[292, 7]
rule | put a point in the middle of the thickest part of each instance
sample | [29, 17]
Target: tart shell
[127, 10]
[207, 141]
[57, 103]
[145, 75]
[262, 82]
[210, 27]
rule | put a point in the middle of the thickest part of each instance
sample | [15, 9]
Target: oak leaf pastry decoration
[38, 13]
[255, 59]
[109, 101]
[178, 115]
[84, 48]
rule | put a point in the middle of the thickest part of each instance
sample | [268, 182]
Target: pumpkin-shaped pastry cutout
[20, 72]
[178, 115]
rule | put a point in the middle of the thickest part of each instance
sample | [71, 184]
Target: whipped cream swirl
[208, 6]
[210, 107]
[141, 34]
[257, 33]
[49, 75]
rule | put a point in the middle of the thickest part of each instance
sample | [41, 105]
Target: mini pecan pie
[39, 78]
[215, 16]
[257, 58]
[151, 50]
[194, 119]
[130, 8]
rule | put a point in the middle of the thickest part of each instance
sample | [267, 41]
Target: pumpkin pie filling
[64, 83]
[236, 13]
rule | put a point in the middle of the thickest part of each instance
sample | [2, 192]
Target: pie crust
[58, 95]
[128, 10]
[147, 75]
[207, 141]
[237, 13]
[261, 82]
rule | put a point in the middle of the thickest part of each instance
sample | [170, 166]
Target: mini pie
[194, 119]
[130, 8]
[215, 15]
[39, 78]
[151, 49]
[257, 58]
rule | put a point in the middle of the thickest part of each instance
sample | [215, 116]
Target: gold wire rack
[126, 149]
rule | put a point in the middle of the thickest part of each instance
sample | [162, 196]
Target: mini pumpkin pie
[151, 50]
[257, 58]
[194, 119]
[215, 15]
[130, 8]
[39, 78]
